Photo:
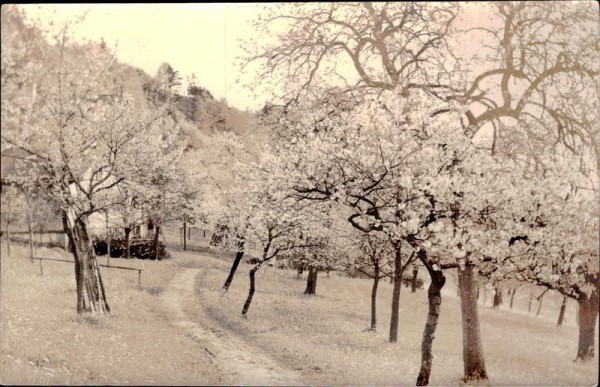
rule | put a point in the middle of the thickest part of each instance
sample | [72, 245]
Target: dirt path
[241, 363]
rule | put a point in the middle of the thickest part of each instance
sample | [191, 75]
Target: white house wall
[97, 223]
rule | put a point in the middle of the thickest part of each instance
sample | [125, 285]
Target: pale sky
[193, 38]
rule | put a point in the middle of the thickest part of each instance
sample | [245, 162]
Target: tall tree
[509, 86]
[85, 136]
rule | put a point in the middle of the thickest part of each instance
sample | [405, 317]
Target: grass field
[323, 337]
[44, 341]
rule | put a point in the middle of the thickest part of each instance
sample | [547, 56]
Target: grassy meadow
[324, 336]
[321, 337]
[44, 341]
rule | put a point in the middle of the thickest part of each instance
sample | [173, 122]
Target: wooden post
[29, 223]
[140, 278]
[41, 267]
[204, 233]
[30, 241]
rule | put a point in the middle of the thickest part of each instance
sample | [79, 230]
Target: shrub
[407, 281]
[138, 248]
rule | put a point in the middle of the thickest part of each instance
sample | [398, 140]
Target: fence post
[30, 243]
[140, 278]
[41, 267]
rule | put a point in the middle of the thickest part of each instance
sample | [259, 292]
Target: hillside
[195, 109]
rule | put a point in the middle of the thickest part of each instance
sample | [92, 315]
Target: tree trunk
[529, 306]
[251, 290]
[8, 239]
[561, 314]
[91, 296]
[478, 293]
[395, 318]
[413, 282]
[128, 243]
[374, 297]
[434, 296]
[540, 299]
[311, 281]
[184, 236]
[473, 359]
[512, 297]
[588, 311]
[497, 298]
[236, 262]
[156, 234]
[300, 271]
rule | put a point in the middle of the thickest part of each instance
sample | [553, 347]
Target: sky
[193, 38]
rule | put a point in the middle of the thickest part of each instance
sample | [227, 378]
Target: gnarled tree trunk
[91, 296]
[311, 281]
[473, 359]
[252, 287]
[434, 296]
[236, 262]
[588, 312]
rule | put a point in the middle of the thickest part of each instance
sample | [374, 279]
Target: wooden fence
[41, 259]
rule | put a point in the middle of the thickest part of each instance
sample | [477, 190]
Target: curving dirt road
[241, 363]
